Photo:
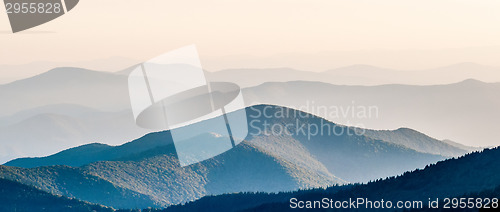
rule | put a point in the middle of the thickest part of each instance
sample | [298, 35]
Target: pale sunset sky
[312, 35]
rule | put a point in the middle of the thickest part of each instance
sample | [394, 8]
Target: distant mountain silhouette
[270, 163]
[465, 112]
[297, 161]
[54, 128]
[473, 175]
[16, 196]
[420, 142]
[82, 155]
[15, 72]
[66, 85]
[254, 77]
[361, 74]
[96, 106]
[72, 110]
[371, 75]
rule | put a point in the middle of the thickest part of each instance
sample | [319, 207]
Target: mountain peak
[61, 73]
[471, 82]
[405, 129]
[71, 72]
[357, 68]
[465, 65]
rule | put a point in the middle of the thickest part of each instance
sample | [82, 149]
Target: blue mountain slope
[89, 153]
[74, 183]
[345, 151]
[270, 163]
[474, 175]
[18, 197]
[418, 141]
[157, 179]
[66, 85]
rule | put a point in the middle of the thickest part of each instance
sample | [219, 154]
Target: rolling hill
[66, 86]
[464, 112]
[15, 196]
[57, 127]
[371, 75]
[147, 168]
[81, 99]
[420, 142]
[473, 175]
[360, 74]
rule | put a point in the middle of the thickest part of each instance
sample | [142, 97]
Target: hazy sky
[248, 31]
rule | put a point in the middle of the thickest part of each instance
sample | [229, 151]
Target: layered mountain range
[15, 196]
[146, 173]
[71, 132]
[68, 107]
[472, 176]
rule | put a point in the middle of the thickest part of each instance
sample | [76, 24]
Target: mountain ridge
[441, 111]
[444, 179]
[15, 196]
[418, 141]
[148, 167]
[93, 89]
